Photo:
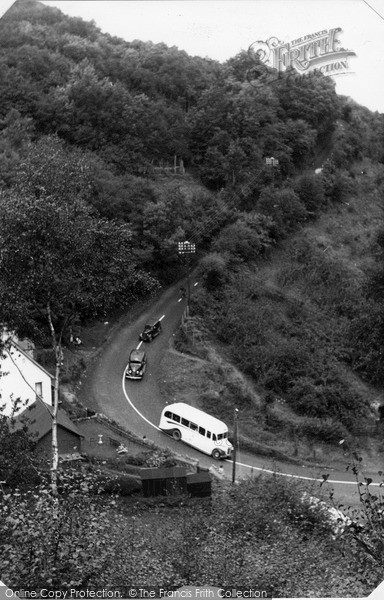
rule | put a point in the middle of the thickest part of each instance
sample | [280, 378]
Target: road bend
[137, 405]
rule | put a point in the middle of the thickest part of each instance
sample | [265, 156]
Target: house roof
[28, 356]
[40, 420]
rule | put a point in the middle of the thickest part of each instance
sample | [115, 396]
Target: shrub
[365, 336]
[55, 542]
[284, 207]
[329, 398]
[157, 458]
[74, 373]
[213, 271]
[134, 459]
[123, 485]
[310, 190]
[327, 430]
[18, 463]
[278, 362]
[239, 241]
[362, 537]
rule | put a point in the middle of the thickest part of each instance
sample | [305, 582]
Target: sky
[220, 29]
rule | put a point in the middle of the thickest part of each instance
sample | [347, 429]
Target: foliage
[283, 351]
[15, 132]
[326, 396]
[245, 534]
[58, 261]
[50, 168]
[284, 207]
[123, 485]
[245, 239]
[337, 182]
[50, 542]
[126, 107]
[95, 274]
[18, 464]
[213, 271]
[362, 536]
[366, 330]
[310, 190]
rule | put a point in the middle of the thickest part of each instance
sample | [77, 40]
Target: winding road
[137, 405]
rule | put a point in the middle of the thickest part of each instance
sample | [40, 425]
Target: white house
[21, 377]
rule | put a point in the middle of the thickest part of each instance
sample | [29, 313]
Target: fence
[163, 168]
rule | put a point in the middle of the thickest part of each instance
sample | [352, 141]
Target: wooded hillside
[87, 121]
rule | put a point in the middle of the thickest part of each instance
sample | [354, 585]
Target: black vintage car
[136, 365]
[151, 330]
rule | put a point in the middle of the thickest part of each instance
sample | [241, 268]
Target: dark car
[136, 365]
[151, 330]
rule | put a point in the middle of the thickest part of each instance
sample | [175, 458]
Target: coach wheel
[216, 454]
[176, 435]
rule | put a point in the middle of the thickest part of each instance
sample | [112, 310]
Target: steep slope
[286, 322]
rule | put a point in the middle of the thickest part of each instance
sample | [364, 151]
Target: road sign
[186, 248]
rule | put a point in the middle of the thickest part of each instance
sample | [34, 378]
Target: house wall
[18, 378]
[68, 443]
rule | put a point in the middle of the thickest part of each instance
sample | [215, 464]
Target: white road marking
[302, 477]
[298, 476]
[134, 407]
[195, 284]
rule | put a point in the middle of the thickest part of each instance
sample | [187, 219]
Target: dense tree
[15, 132]
[284, 207]
[52, 169]
[310, 190]
[245, 239]
[57, 262]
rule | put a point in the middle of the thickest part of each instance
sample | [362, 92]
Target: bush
[74, 373]
[259, 531]
[19, 465]
[330, 398]
[327, 430]
[157, 458]
[310, 190]
[213, 271]
[123, 485]
[363, 536]
[284, 207]
[55, 542]
[239, 241]
[279, 362]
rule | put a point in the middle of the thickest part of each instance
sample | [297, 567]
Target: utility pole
[234, 445]
[186, 249]
[272, 162]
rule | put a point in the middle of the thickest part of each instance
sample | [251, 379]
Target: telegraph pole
[234, 445]
[186, 249]
[272, 162]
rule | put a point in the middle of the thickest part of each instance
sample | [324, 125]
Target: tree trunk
[55, 446]
[59, 357]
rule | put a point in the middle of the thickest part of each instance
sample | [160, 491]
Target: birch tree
[58, 262]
